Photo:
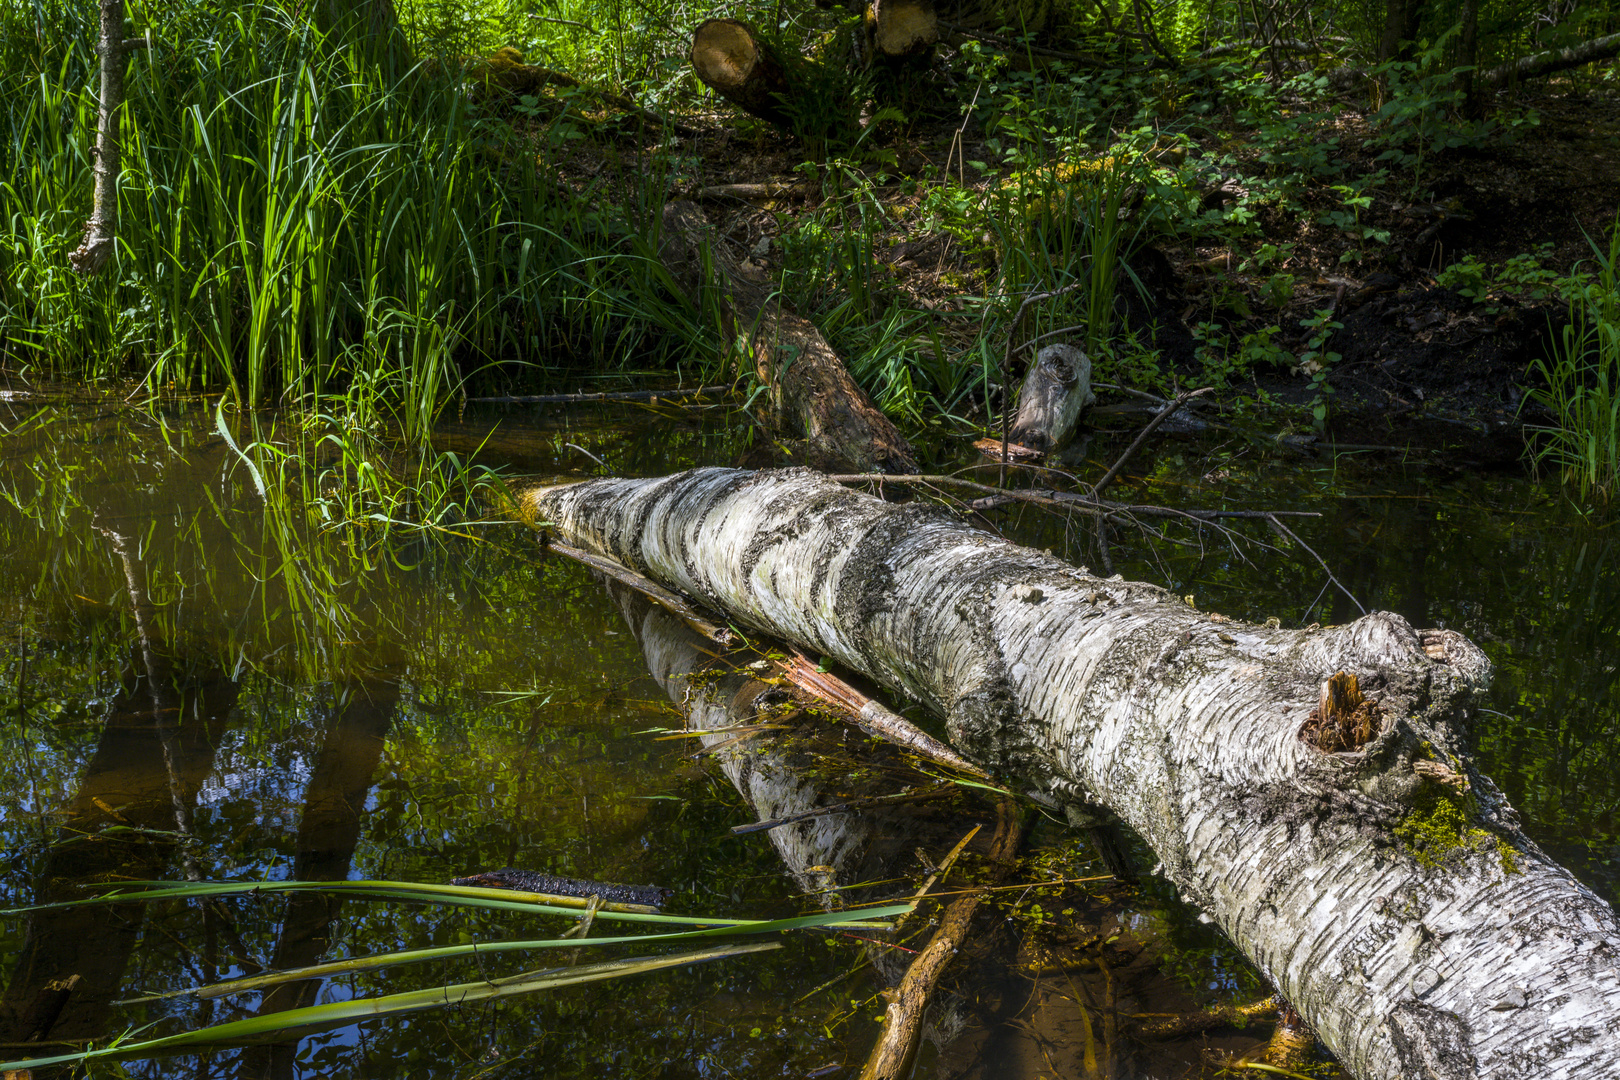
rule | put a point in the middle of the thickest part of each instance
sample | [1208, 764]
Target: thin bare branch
[1153, 425]
[1289, 533]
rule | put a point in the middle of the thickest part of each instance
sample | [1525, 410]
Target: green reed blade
[416, 956]
[459, 895]
[278, 1025]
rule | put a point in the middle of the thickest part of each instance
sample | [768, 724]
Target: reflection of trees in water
[328, 831]
[147, 763]
[1554, 741]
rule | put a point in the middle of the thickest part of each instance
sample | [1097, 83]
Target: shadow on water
[199, 682]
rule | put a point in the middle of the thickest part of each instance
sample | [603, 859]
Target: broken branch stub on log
[809, 392]
[731, 59]
[1416, 927]
[1056, 389]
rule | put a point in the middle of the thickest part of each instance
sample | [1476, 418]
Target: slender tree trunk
[101, 231]
[1468, 56]
[1309, 789]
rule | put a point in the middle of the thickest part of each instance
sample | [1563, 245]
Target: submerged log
[809, 391]
[732, 59]
[896, 1051]
[1056, 389]
[1416, 928]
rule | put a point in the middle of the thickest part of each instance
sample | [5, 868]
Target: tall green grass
[1582, 384]
[295, 222]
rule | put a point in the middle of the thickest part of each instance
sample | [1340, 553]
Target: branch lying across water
[995, 497]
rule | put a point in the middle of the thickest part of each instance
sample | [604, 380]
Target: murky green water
[195, 687]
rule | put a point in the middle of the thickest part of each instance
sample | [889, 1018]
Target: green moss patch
[1433, 833]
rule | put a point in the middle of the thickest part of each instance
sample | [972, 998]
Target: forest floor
[1442, 274]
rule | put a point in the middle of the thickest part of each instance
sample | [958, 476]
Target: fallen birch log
[1310, 790]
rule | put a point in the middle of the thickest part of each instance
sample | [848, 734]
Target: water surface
[197, 686]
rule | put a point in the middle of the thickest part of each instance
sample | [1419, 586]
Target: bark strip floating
[875, 718]
[1484, 961]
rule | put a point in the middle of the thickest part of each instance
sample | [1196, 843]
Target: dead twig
[896, 1047]
[1284, 530]
[1152, 426]
[649, 588]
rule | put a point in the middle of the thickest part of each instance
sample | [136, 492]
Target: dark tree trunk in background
[371, 23]
[1401, 21]
[1468, 56]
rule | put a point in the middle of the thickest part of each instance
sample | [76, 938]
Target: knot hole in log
[1344, 719]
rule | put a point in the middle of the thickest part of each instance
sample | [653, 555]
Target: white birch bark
[101, 231]
[1187, 727]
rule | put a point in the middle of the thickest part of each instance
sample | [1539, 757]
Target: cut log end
[731, 59]
[724, 52]
[903, 29]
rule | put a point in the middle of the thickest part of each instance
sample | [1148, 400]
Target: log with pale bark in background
[1310, 790]
[1056, 389]
[903, 31]
[731, 59]
[809, 392]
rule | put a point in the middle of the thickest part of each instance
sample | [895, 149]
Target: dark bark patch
[1432, 1044]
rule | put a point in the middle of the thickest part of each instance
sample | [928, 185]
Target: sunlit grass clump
[298, 216]
[1582, 386]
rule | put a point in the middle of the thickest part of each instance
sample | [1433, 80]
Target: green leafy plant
[1317, 361]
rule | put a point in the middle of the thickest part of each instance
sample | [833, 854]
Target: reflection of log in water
[772, 773]
[1385, 888]
[328, 830]
[1019, 1021]
[823, 853]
